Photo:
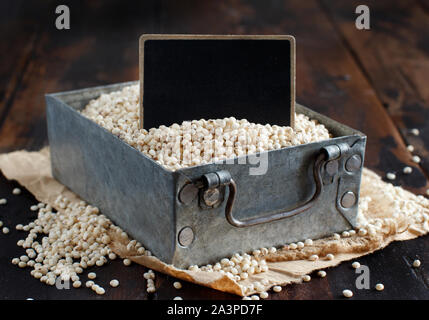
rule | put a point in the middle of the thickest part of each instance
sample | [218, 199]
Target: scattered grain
[114, 283]
[306, 278]
[321, 273]
[277, 288]
[416, 263]
[391, 176]
[379, 287]
[407, 170]
[347, 293]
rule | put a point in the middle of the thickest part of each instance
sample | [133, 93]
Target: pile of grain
[198, 141]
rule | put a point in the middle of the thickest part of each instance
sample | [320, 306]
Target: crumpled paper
[388, 204]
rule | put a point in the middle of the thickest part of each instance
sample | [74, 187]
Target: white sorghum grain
[300, 244]
[356, 265]
[263, 295]
[19, 227]
[3, 201]
[1, 223]
[391, 176]
[407, 170]
[347, 293]
[352, 232]
[75, 232]
[336, 236]
[246, 298]
[99, 290]
[416, 263]
[345, 234]
[416, 159]
[34, 208]
[362, 232]
[5, 230]
[112, 256]
[149, 275]
[277, 288]
[313, 257]
[151, 289]
[127, 262]
[193, 268]
[92, 275]
[415, 131]
[410, 148]
[177, 298]
[308, 242]
[16, 191]
[330, 256]
[293, 246]
[254, 297]
[306, 278]
[15, 260]
[239, 266]
[174, 147]
[89, 284]
[77, 284]
[177, 285]
[321, 273]
[114, 283]
[379, 287]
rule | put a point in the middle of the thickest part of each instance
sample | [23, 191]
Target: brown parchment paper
[33, 171]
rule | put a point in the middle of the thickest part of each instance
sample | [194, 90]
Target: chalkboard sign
[188, 77]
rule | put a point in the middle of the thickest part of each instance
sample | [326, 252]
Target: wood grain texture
[102, 48]
[394, 56]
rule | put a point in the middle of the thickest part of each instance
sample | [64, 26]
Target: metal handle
[281, 215]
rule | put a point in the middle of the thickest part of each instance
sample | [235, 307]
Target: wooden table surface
[375, 81]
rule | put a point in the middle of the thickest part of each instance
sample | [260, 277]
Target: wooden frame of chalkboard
[168, 100]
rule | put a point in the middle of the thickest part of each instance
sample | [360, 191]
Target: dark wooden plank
[97, 50]
[19, 31]
[101, 48]
[395, 56]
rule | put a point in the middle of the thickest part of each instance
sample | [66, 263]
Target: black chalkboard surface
[187, 77]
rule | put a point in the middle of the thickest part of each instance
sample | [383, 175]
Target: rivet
[188, 193]
[211, 196]
[186, 236]
[348, 200]
[353, 163]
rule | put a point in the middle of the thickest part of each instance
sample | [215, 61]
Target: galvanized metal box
[200, 214]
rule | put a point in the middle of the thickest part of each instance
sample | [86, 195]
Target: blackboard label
[188, 77]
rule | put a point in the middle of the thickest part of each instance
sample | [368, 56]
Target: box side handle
[221, 178]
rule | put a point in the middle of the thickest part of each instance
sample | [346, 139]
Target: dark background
[375, 81]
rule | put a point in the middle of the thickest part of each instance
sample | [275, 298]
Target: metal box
[200, 214]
